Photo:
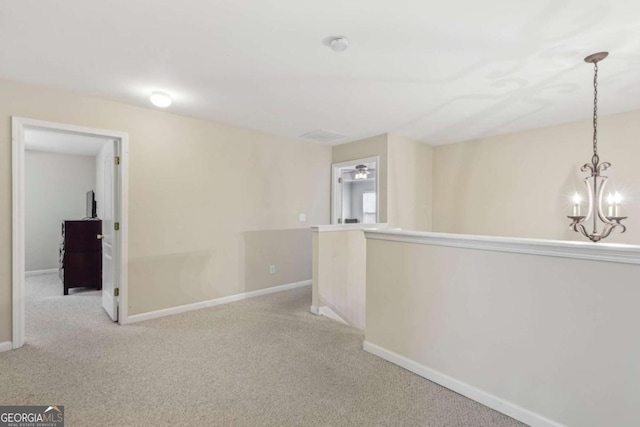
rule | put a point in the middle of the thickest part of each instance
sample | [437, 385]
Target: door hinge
[116, 159]
[116, 226]
[116, 292]
[339, 180]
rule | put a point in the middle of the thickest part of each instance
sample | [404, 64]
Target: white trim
[40, 272]
[611, 252]
[328, 312]
[64, 127]
[17, 234]
[494, 402]
[356, 161]
[6, 346]
[18, 125]
[214, 302]
[347, 227]
[123, 265]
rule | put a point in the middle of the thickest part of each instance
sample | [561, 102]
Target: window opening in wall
[351, 181]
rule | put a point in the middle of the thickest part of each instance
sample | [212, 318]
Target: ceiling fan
[362, 172]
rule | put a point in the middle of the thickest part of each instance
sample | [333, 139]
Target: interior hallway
[262, 361]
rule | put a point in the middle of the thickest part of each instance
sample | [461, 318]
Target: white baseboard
[6, 346]
[328, 312]
[39, 272]
[213, 302]
[494, 402]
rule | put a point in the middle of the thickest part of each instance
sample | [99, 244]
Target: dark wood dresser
[81, 254]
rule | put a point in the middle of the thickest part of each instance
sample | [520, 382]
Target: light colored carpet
[260, 362]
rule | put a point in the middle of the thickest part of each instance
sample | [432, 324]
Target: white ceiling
[62, 142]
[438, 72]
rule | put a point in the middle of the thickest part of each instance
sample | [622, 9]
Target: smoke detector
[339, 44]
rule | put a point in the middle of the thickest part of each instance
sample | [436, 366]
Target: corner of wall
[410, 183]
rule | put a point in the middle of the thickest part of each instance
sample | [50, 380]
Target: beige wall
[521, 184]
[339, 273]
[552, 335]
[409, 187]
[288, 250]
[196, 189]
[55, 189]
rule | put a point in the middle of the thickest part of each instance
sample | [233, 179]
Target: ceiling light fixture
[339, 44]
[595, 182]
[160, 99]
[361, 172]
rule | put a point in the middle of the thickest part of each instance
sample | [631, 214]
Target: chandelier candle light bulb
[576, 204]
[617, 200]
[610, 202]
[614, 202]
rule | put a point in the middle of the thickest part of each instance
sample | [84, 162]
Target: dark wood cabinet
[81, 254]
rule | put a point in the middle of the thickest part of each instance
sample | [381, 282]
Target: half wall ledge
[610, 252]
[348, 227]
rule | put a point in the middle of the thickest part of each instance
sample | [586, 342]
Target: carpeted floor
[260, 362]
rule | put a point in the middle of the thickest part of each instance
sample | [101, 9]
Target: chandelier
[595, 182]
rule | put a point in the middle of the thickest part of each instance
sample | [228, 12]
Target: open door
[115, 177]
[109, 237]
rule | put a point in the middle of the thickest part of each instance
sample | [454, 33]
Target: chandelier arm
[587, 167]
[603, 167]
[608, 228]
[587, 184]
[577, 226]
[600, 194]
[622, 226]
[581, 228]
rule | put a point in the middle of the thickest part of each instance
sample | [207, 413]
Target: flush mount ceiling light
[160, 99]
[595, 182]
[362, 172]
[339, 44]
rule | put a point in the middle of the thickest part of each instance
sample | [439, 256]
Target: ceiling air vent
[321, 136]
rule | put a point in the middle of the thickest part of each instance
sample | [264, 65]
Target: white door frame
[336, 206]
[18, 125]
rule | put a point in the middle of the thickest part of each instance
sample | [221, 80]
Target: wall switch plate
[302, 217]
[272, 269]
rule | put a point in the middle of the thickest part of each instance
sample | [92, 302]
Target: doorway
[355, 192]
[111, 185]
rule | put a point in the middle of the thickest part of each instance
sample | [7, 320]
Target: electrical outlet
[272, 269]
[302, 217]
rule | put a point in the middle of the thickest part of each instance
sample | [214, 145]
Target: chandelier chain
[595, 110]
